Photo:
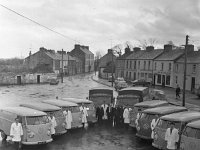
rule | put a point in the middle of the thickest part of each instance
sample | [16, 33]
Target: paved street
[99, 137]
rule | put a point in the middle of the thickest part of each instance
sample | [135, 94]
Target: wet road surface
[98, 137]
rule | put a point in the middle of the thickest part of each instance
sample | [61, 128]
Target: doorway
[163, 80]
[193, 84]
[38, 79]
[19, 80]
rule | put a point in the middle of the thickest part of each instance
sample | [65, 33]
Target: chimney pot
[136, 49]
[167, 47]
[149, 48]
[76, 46]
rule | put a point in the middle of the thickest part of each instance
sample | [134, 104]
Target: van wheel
[3, 135]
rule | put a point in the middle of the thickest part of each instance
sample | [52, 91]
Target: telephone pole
[62, 68]
[185, 70]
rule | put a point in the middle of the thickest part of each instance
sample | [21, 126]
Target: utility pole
[185, 70]
[62, 68]
[112, 67]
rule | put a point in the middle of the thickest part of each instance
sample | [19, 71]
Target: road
[98, 137]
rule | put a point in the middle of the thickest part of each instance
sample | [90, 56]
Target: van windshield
[127, 101]
[75, 109]
[147, 116]
[36, 120]
[89, 106]
[58, 113]
[164, 124]
[190, 132]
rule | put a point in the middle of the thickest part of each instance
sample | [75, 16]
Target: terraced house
[164, 66]
[193, 70]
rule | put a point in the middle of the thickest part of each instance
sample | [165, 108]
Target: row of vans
[152, 124]
[35, 122]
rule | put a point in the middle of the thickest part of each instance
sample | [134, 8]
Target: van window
[90, 106]
[37, 120]
[198, 133]
[75, 109]
[58, 113]
[163, 124]
[190, 132]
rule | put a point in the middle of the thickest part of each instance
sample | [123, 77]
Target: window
[149, 65]
[155, 67]
[144, 65]
[159, 79]
[127, 74]
[193, 68]
[142, 74]
[168, 80]
[162, 67]
[150, 75]
[134, 75]
[130, 64]
[138, 64]
[170, 66]
[134, 64]
[176, 68]
[190, 132]
[176, 79]
[138, 75]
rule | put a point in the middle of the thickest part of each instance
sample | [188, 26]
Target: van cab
[139, 107]
[65, 106]
[35, 124]
[190, 138]
[50, 109]
[180, 119]
[91, 118]
[149, 118]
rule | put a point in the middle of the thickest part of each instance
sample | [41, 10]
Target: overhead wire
[40, 24]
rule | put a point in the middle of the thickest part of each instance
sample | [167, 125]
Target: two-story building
[120, 63]
[145, 63]
[164, 66]
[52, 61]
[85, 55]
[192, 72]
[131, 66]
[106, 64]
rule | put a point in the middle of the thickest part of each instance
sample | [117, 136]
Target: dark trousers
[17, 145]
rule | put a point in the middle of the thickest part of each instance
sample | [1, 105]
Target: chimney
[42, 49]
[60, 52]
[30, 53]
[136, 49]
[149, 48]
[109, 51]
[77, 46]
[190, 48]
[87, 47]
[127, 50]
[167, 47]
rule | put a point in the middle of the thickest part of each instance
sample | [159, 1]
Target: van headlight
[63, 124]
[48, 132]
[138, 128]
[155, 136]
[31, 135]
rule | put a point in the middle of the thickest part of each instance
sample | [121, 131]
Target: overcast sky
[99, 24]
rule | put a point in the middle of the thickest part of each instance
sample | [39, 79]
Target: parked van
[73, 107]
[180, 120]
[190, 138]
[91, 118]
[100, 94]
[50, 109]
[139, 107]
[151, 116]
[35, 124]
[130, 96]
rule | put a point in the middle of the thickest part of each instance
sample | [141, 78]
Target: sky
[99, 24]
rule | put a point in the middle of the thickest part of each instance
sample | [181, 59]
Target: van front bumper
[156, 146]
[144, 137]
[37, 143]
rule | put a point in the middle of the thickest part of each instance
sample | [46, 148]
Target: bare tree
[98, 54]
[118, 49]
[148, 42]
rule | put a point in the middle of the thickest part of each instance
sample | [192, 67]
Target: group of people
[117, 116]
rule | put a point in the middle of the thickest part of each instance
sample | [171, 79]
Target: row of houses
[160, 66]
[79, 60]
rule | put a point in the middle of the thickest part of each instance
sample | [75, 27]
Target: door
[19, 80]
[163, 80]
[154, 79]
[38, 79]
[193, 84]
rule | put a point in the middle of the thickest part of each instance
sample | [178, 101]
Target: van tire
[3, 135]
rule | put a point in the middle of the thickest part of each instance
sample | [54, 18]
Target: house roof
[170, 55]
[135, 54]
[151, 54]
[57, 56]
[106, 58]
[85, 50]
[125, 55]
[192, 57]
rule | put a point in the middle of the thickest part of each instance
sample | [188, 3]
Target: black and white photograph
[99, 74]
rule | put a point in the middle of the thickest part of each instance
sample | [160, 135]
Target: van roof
[151, 103]
[60, 103]
[102, 88]
[76, 100]
[194, 124]
[41, 106]
[164, 110]
[182, 116]
[23, 111]
[138, 88]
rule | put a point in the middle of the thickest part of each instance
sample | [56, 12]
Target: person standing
[126, 116]
[68, 118]
[104, 106]
[178, 90]
[53, 124]
[154, 122]
[172, 137]
[16, 133]
[84, 115]
[109, 113]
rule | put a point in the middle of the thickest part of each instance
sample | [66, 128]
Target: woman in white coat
[68, 119]
[84, 115]
[53, 124]
[126, 116]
